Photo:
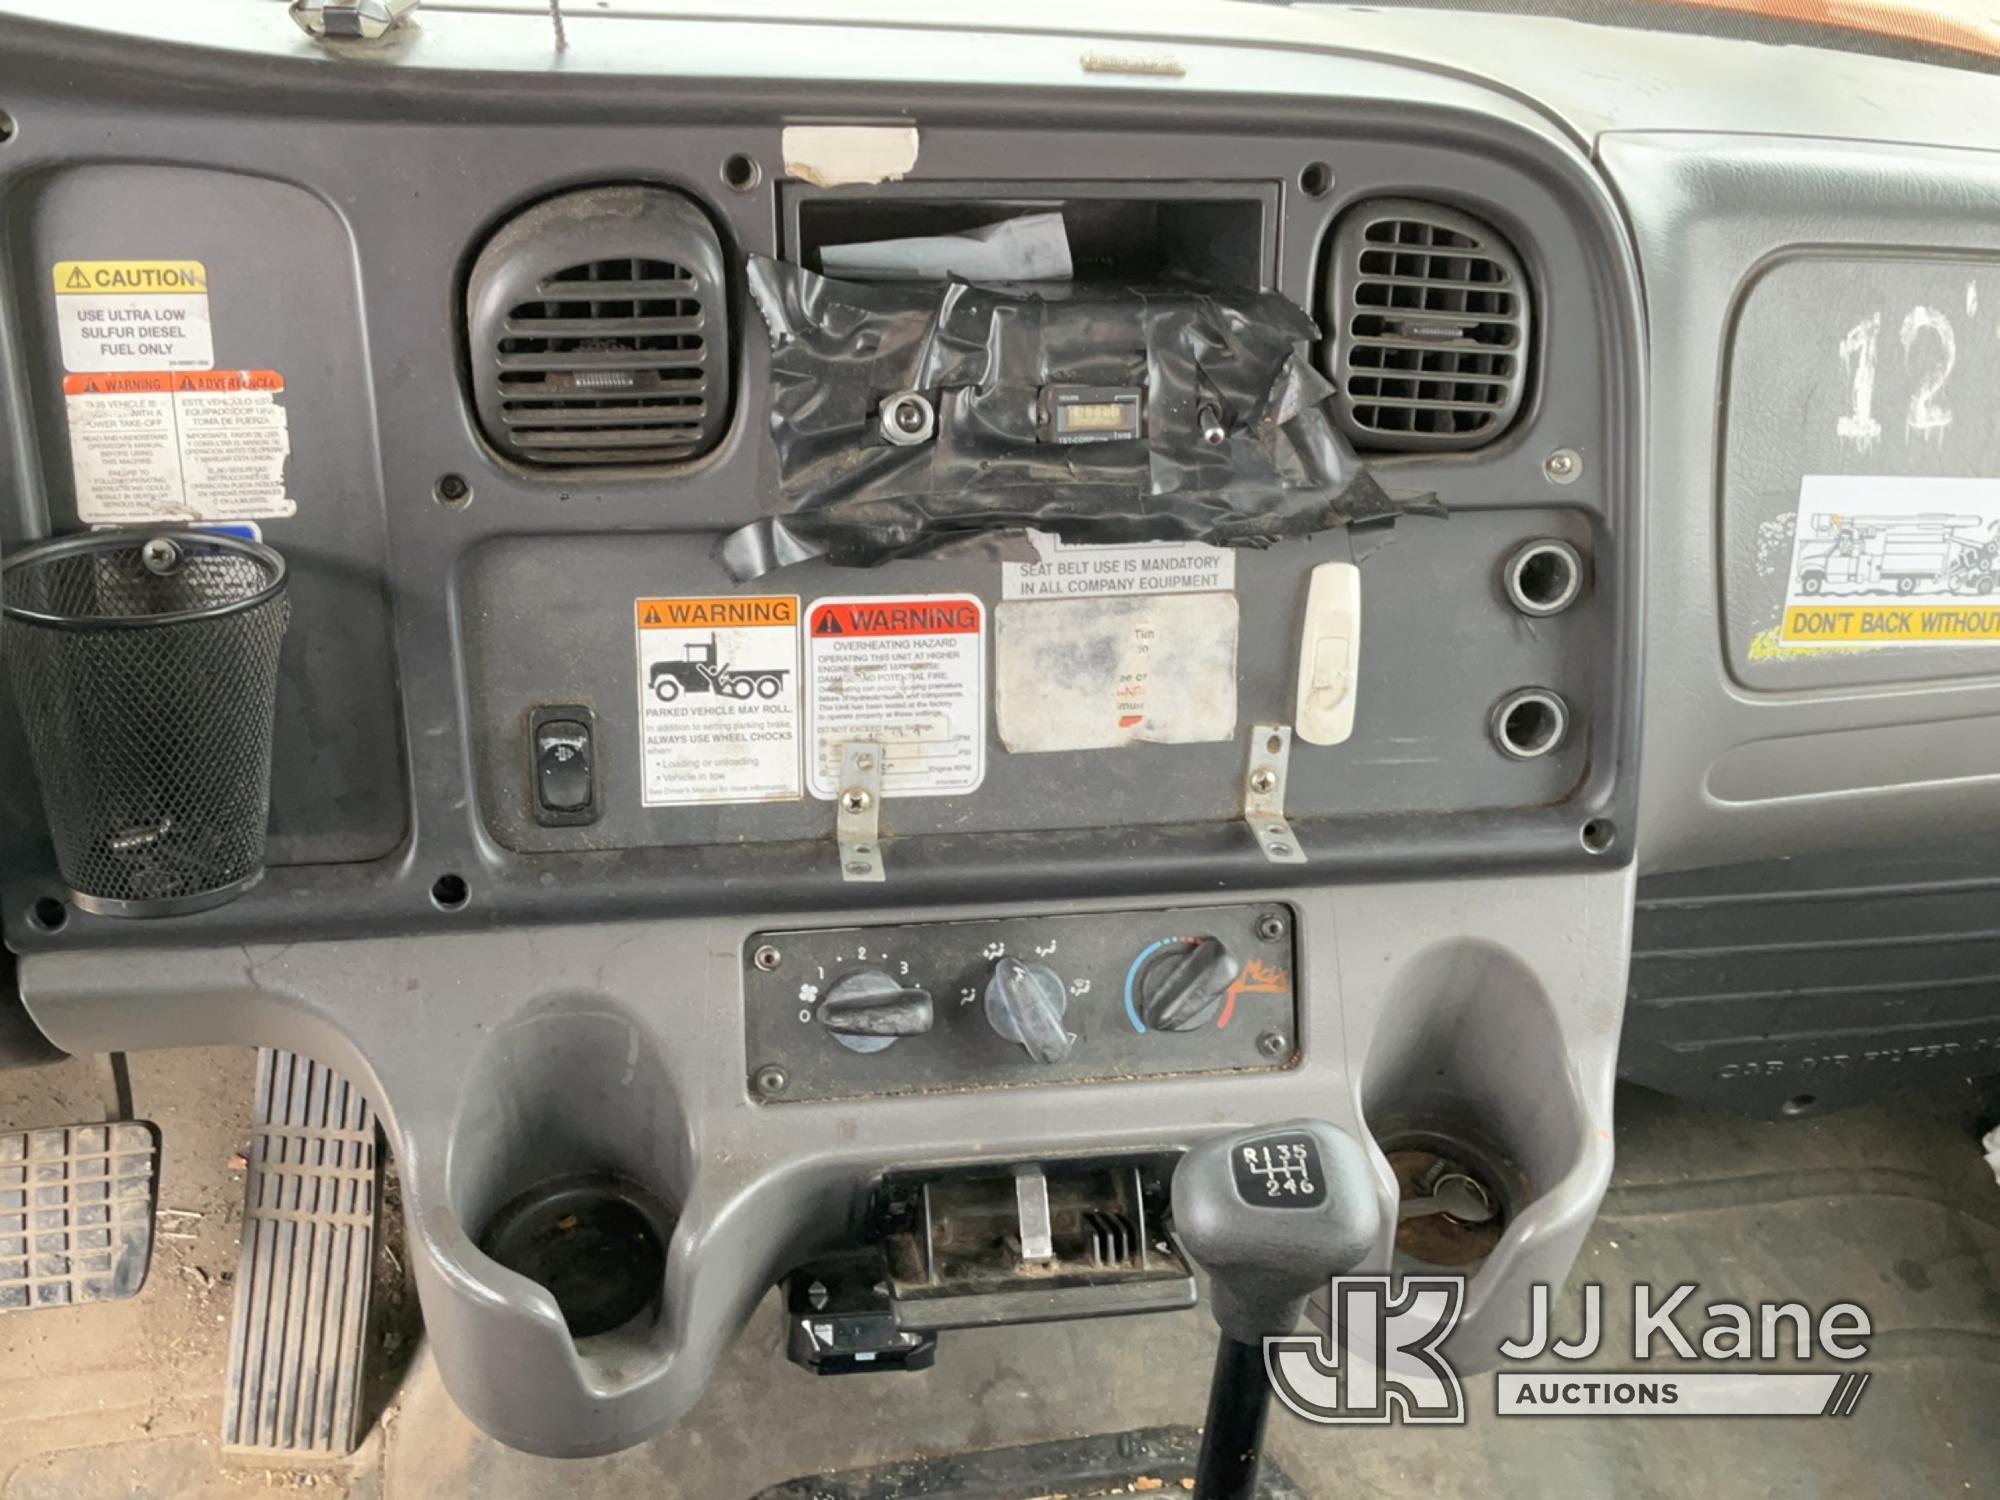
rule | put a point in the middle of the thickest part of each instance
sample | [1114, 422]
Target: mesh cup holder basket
[145, 669]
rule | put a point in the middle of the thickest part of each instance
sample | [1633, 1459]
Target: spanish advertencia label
[905, 672]
[133, 315]
[178, 446]
[718, 699]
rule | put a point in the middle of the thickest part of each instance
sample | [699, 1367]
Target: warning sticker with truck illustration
[161, 445]
[718, 699]
[1893, 562]
[908, 673]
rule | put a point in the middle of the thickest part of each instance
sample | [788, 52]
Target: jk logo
[1380, 1360]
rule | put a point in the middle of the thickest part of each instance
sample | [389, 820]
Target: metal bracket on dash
[1264, 794]
[857, 813]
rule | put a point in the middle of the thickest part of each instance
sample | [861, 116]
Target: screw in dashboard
[770, 1079]
[1273, 1043]
[161, 555]
[1270, 927]
[767, 958]
[1562, 466]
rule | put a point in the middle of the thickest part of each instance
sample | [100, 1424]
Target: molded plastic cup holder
[596, 1243]
[1470, 1074]
[1421, 1157]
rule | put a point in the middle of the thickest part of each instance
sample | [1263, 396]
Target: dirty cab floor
[1888, 1206]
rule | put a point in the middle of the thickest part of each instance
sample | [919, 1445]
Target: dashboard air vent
[598, 331]
[1428, 318]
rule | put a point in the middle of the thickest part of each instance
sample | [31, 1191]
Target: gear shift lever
[1270, 1213]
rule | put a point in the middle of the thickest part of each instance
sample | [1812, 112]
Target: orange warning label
[203, 382]
[161, 445]
[906, 672]
[896, 617]
[683, 614]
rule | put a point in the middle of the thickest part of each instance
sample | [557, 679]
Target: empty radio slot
[1030, 1243]
[1220, 235]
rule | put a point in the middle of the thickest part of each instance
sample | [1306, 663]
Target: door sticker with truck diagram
[719, 699]
[1894, 561]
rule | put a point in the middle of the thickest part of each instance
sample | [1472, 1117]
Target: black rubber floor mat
[1151, 1460]
[76, 1213]
[311, 1205]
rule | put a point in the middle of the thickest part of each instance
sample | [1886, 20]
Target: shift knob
[1272, 1213]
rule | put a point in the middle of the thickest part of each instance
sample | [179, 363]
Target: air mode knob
[1183, 985]
[868, 1011]
[1025, 1004]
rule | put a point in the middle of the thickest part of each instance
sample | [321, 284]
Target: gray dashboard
[1463, 921]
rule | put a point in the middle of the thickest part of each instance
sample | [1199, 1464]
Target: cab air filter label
[167, 446]
[1895, 561]
[908, 673]
[718, 700]
[133, 314]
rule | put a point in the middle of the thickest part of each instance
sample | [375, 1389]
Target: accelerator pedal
[311, 1207]
[76, 1213]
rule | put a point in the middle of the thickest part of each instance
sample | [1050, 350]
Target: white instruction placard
[133, 315]
[1096, 674]
[718, 699]
[1075, 570]
[1898, 561]
[907, 673]
[178, 446]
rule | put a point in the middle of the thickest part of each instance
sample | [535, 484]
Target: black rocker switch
[563, 744]
[1271, 1214]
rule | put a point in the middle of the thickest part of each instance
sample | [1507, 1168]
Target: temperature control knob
[1025, 1004]
[1183, 984]
[868, 1011]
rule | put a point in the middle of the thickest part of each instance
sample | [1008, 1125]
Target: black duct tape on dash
[984, 355]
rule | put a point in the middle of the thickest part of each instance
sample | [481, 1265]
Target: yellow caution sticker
[76, 278]
[139, 315]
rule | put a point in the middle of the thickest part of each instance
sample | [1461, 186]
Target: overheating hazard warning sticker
[1894, 562]
[178, 446]
[908, 673]
[718, 699]
[133, 314]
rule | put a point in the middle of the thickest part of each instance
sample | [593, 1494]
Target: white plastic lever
[1329, 655]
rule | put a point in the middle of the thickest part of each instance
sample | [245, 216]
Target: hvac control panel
[856, 1011]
